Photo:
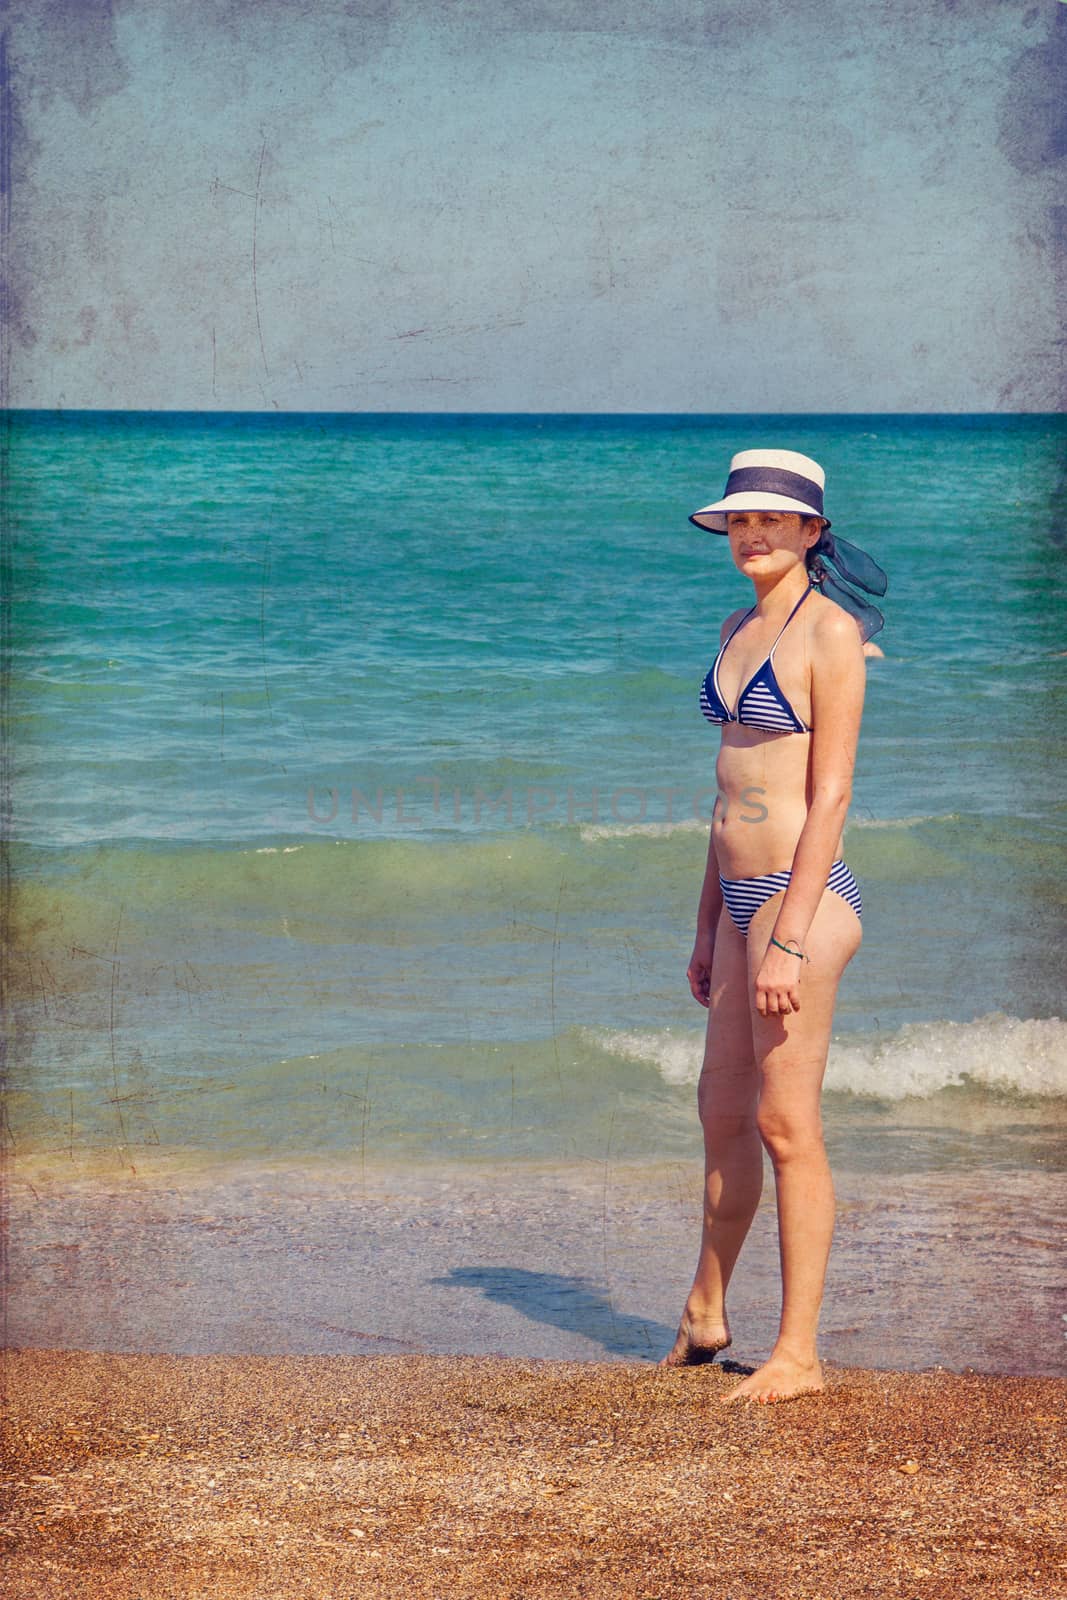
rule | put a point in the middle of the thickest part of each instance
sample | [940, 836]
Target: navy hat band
[772, 480]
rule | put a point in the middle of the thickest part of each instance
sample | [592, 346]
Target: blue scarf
[850, 565]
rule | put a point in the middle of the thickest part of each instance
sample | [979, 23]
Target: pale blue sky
[543, 206]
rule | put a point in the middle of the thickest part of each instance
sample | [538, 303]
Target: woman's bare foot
[699, 1339]
[780, 1378]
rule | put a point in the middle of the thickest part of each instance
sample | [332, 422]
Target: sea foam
[1022, 1055]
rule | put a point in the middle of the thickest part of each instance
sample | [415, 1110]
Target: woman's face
[770, 541]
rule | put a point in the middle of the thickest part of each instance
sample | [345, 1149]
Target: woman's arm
[838, 684]
[699, 973]
[710, 894]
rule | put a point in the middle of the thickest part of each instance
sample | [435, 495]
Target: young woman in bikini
[779, 915]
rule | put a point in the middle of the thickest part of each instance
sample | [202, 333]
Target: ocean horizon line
[183, 411]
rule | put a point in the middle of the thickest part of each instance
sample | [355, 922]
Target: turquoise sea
[359, 798]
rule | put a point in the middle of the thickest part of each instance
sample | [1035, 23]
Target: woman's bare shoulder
[731, 620]
[834, 630]
[836, 624]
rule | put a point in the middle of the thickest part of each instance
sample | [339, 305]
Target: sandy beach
[150, 1476]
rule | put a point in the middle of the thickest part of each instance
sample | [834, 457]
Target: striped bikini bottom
[744, 896]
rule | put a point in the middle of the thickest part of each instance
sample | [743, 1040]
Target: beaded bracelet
[799, 953]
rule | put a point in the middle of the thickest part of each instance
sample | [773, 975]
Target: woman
[779, 916]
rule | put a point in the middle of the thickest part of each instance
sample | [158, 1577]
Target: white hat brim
[713, 517]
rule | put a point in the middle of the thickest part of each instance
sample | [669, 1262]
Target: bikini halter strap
[790, 617]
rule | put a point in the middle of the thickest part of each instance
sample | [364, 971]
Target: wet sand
[430, 1476]
[588, 1263]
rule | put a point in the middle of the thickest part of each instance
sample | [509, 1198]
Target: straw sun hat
[767, 480]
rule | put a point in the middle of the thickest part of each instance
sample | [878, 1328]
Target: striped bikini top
[761, 703]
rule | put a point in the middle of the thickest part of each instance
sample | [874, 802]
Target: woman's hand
[699, 970]
[778, 983]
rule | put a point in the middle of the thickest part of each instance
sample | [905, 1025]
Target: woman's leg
[791, 1054]
[733, 1151]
